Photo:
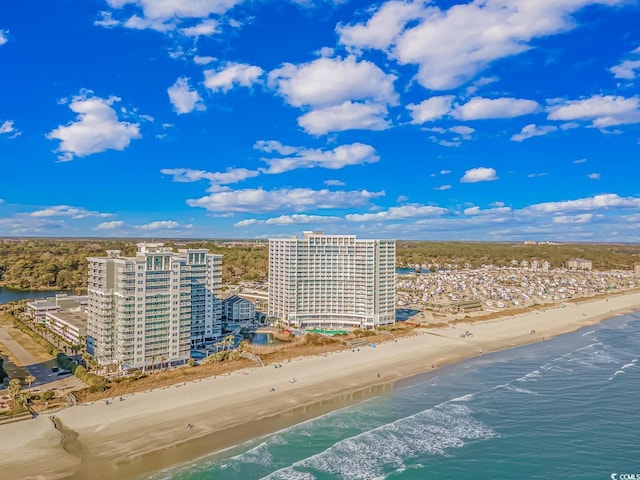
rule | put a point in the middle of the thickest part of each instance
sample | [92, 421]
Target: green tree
[14, 389]
[47, 395]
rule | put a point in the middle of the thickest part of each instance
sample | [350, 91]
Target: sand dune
[147, 431]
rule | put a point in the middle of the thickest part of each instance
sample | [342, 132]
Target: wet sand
[149, 431]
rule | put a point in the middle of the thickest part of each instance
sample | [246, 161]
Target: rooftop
[76, 318]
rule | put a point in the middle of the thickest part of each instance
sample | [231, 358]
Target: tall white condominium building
[152, 308]
[332, 281]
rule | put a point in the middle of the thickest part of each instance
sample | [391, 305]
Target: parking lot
[19, 363]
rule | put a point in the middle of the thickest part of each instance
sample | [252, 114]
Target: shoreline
[146, 432]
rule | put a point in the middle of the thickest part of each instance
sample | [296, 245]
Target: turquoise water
[405, 313]
[327, 331]
[568, 408]
[406, 271]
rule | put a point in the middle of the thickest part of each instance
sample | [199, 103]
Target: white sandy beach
[156, 421]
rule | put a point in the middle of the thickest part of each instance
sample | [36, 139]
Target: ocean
[567, 408]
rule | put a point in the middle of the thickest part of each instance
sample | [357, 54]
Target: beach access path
[147, 431]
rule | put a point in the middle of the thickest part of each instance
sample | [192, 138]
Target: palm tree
[89, 361]
[29, 379]
[65, 331]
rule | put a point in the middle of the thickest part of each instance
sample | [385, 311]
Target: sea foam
[386, 448]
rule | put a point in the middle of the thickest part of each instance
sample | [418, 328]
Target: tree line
[476, 254]
[62, 264]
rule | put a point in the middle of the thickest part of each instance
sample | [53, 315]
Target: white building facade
[332, 281]
[152, 308]
[237, 309]
[579, 264]
[70, 325]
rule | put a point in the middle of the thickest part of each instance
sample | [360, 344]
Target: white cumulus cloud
[477, 211]
[480, 174]
[159, 225]
[203, 60]
[462, 130]
[347, 116]
[3, 36]
[581, 218]
[533, 130]
[231, 74]
[205, 28]
[247, 222]
[384, 26]
[68, 211]
[297, 157]
[7, 127]
[602, 110]
[479, 108]
[628, 69]
[398, 213]
[177, 8]
[598, 202]
[183, 99]
[259, 200]
[113, 225]
[106, 20]
[333, 81]
[301, 219]
[430, 109]
[95, 130]
[334, 183]
[451, 46]
[163, 15]
[231, 175]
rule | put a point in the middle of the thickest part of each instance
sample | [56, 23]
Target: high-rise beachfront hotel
[152, 308]
[332, 281]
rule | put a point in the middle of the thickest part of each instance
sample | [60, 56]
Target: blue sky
[483, 120]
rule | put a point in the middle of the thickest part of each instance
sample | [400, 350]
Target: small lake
[403, 314]
[8, 295]
[263, 339]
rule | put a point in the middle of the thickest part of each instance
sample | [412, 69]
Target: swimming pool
[325, 331]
